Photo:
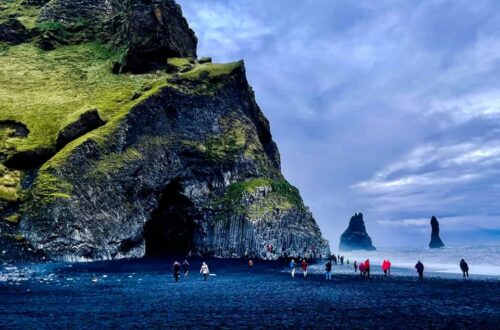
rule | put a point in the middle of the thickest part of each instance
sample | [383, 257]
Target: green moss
[282, 196]
[211, 70]
[237, 138]
[10, 185]
[14, 218]
[180, 62]
[114, 162]
[49, 188]
[206, 78]
[43, 89]
[27, 15]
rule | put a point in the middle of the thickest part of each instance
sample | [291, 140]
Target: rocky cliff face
[102, 166]
[436, 241]
[355, 236]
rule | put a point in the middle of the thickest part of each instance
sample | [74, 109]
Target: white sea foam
[482, 260]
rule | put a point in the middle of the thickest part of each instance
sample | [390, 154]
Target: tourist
[334, 259]
[250, 263]
[464, 267]
[304, 267]
[328, 270]
[204, 270]
[355, 266]
[420, 270]
[362, 269]
[389, 267]
[385, 267]
[367, 268]
[342, 260]
[292, 267]
[185, 268]
[176, 268]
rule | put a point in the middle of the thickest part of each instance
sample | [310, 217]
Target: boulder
[14, 32]
[355, 236]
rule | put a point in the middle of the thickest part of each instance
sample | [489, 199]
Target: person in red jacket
[389, 267]
[304, 267]
[385, 267]
[367, 268]
[362, 269]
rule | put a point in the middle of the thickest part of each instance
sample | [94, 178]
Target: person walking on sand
[292, 267]
[176, 269]
[328, 270]
[464, 267]
[362, 269]
[204, 270]
[304, 267]
[420, 270]
[385, 267]
[355, 266]
[185, 268]
[367, 268]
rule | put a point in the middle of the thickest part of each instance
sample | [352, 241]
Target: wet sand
[142, 294]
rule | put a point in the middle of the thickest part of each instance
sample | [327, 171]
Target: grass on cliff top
[44, 90]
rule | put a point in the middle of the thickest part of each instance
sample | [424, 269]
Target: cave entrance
[170, 230]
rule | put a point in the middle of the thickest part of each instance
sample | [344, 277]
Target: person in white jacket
[204, 270]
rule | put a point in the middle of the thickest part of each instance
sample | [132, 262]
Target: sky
[389, 108]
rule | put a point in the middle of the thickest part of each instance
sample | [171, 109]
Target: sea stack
[355, 236]
[436, 241]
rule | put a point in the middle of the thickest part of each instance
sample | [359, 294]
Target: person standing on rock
[464, 267]
[355, 266]
[204, 270]
[185, 268]
[328, 270]
[292, 266]
[304, 267]
[420, 270]
[176, 269]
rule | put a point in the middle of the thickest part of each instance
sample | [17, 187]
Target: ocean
[483, 260]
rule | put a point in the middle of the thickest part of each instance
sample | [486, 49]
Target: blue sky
[390, 108]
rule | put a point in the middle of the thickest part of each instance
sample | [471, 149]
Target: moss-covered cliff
[115, 141]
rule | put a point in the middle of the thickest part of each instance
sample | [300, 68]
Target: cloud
[388, 107]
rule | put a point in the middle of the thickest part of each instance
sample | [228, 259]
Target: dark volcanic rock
[86, 122]
[14, 32]
[29, 159]
[436, 241]
[355, 236]
[147, 31]
[181, 173]
[157, 30]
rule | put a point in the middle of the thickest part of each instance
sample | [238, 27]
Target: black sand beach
[142, 294]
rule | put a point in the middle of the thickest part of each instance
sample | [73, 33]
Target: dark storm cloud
[387, 107]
